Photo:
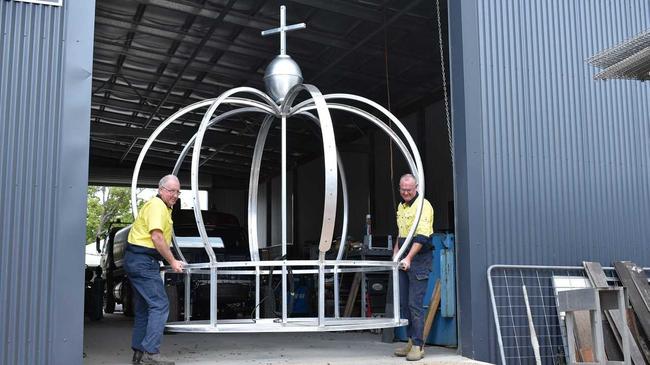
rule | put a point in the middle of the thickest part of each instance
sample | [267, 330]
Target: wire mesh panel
[510, 315]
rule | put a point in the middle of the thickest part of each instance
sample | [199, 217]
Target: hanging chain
[444, 83]
[390, 121]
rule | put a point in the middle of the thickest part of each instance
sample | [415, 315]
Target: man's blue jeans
[413, 285]
[150, 299]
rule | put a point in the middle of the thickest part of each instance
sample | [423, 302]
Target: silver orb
[280, 76]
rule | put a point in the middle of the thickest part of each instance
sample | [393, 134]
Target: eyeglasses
[174, 192]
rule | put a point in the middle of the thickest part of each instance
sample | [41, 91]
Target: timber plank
[599, 280]
[625, 272]
[584, 337]
[434, 303]
[352, 296]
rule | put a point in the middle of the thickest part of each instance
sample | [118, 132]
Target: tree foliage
[106, 205]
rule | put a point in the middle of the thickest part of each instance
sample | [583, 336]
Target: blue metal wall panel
[552, 167]
[45, 78]
[565, 157]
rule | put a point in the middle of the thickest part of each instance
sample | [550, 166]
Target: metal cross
[283, 29]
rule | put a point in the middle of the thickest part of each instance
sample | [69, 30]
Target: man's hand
[405, 264]
[177, 265]
[163, 248]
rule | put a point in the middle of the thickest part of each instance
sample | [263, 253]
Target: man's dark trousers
[150, 299]
[413, 285]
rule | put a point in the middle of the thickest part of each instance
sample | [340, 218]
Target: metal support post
[321, 291]
[188, 281]
[396, 303]
[337, 310]
[364, 302]
[284, 217]
[213, 296]
[257, 292]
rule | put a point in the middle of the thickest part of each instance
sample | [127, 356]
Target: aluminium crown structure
[283, 80]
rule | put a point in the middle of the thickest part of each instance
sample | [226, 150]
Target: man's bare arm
[406, 262]
[163, 248]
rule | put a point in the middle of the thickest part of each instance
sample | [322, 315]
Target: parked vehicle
[94, 285]
[93, 293]
[229, 243]
[118, 289]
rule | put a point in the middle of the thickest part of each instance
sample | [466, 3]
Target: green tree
[106, 205]
[93, 214]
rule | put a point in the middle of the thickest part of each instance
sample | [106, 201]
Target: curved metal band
[268, 107]
[329, 158]
[190, 143]
[418, 172]
[271, 108]
[253, 187]
[378, 122]
[196, 155]
[150, 140]
[344, 191]
[362, 113]
[214, 121]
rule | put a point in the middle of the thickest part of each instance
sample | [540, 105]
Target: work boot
[155, 359]
[404, 350]
[137, 357]
[416, 353]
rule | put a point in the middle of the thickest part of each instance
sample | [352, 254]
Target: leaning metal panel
[627, 60]
[279, 106]
[635, 67]
[509, 309]
[621, 51]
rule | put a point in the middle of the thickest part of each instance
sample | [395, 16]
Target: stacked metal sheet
[628, 60]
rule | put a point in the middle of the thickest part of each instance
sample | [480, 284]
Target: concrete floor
[108, 342]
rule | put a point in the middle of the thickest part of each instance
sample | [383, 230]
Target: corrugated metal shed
[45, 79]
[551, 166]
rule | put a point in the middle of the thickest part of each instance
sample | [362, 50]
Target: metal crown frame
[262, 103]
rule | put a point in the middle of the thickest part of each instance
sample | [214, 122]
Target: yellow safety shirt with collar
[155, 214]
[406, 216]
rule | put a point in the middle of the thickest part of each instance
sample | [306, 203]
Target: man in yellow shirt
[415, 266]
[149, 241]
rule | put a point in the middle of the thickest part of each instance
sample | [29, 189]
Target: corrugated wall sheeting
[565, 157]
[45, 67]
[551, 166]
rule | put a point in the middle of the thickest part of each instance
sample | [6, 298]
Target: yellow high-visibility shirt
[406, 216]
[154, 215]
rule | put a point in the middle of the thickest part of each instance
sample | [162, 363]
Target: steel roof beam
[106, 68]
[230, 47]
[366, 39]
[129, 39]
[221, 52]
[215, 24]
[163, 167]
[181, 134]
[162, 66]
[201, 66]
[149, 177]
[259, 24]
[109, 151]
[357, 11]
